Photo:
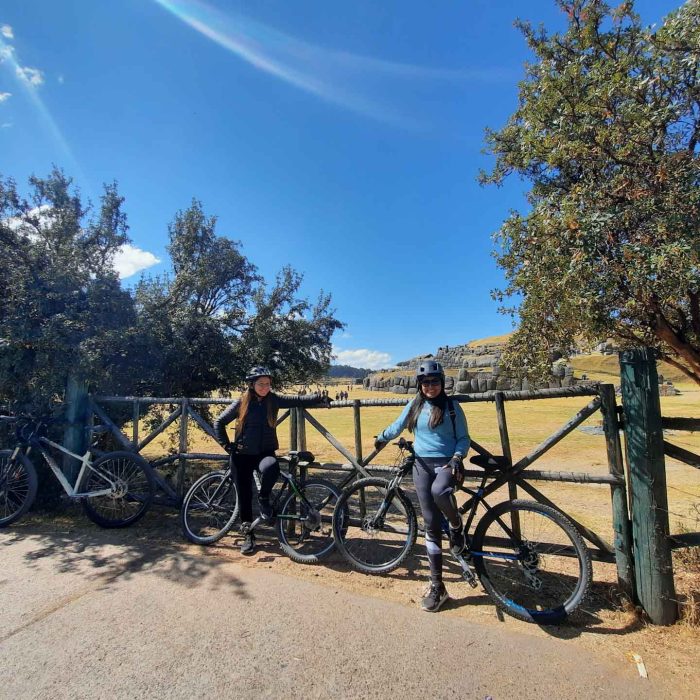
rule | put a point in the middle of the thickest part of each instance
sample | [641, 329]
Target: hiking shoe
[435, 596]
[457, 541]
[266, 512]
[248, 545]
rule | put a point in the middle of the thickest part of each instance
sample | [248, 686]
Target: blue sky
[341, 138]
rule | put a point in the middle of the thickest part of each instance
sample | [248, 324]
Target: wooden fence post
[505, 448]
[293, 416]
[622, 527]
[645, 453]
[358, 429]
[184, 417]
[75, 435]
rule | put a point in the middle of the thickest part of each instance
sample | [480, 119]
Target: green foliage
[62, 309]
[606, 132]
[64, 313]
[201, 328]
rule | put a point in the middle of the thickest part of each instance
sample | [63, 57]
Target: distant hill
[347, 371]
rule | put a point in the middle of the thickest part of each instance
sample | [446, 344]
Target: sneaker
[248, 545]
[457, 542]
[435, 596]
[266, 512]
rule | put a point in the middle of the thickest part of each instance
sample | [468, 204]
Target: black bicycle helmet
[430, 368]
[257, 372]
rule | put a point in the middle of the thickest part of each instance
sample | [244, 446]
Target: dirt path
[87, 612]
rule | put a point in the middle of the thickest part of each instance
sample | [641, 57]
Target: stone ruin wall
[479, 372]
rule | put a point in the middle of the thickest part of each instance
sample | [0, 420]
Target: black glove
[230, 447]
[379, 444]
[457, 468]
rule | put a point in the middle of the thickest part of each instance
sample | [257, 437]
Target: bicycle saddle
[304, 456]
[490, 462]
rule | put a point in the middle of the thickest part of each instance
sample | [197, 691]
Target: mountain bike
[529, 557]
[115, 490]
[303, 512]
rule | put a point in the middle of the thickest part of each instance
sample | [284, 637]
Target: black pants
[244, 465]
[435, 490]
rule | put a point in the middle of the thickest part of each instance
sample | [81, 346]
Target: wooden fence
[519, 475]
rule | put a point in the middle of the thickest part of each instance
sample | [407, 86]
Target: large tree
[607, 133]
[62, 309]
[205, 324]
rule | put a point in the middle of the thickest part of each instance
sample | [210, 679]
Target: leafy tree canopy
[62, 309]
[606, 132]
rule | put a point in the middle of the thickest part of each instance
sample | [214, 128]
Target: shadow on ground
[153, 546]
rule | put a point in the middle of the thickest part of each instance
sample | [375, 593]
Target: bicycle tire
[367, 547]
[202, 521]
[308, 541]
[18, 486]
[133, 496]
[544, 576]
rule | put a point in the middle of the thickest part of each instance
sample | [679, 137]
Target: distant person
[255, 441]
[441, 441]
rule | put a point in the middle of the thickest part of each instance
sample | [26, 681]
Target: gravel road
[102, 619]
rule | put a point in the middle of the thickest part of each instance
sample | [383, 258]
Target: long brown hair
[246, 397]
[437, 412]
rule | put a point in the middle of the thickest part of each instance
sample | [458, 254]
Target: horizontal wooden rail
[485, 396]
[677, 423]
[681, 455]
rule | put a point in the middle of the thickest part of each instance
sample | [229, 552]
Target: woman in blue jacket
[441, 441]
[255, 442]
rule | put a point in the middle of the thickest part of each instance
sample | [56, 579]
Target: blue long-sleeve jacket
[440, 441]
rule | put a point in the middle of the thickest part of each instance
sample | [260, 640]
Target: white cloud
[31, 76]
[5, 96]
[367, 359]
[6, 52]
[6, 31]
[61, 79]
[130, 260]
[5, 125]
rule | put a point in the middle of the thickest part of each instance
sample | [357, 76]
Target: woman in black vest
[255, 441]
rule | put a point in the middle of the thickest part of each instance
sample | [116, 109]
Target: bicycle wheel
[209, 508]
[540, 576]
[18, 485]
[132, 486]
[306, 535]
[373, 529]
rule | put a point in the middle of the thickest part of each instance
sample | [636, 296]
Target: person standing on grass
[441, 441]
[255, 442]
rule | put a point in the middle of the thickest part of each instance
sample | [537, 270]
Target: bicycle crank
[467, 573]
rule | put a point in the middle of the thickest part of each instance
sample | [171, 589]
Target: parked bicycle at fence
[301, 513]
[529, 557]
[115, 490]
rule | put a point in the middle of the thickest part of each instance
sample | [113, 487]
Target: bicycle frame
[85, 463]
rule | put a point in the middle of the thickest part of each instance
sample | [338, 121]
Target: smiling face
[430, 386]
[262, 386]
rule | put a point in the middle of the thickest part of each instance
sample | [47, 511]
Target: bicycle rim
[18, 485]
[375, 531]
[209, 508]
[306, 531]
[541, 576]
[132, 489]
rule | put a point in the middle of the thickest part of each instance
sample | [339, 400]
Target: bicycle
[303, 513]
[529, 557]
[115, 490]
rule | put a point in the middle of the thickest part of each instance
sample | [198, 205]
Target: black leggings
[269, 469]
[435, 490]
